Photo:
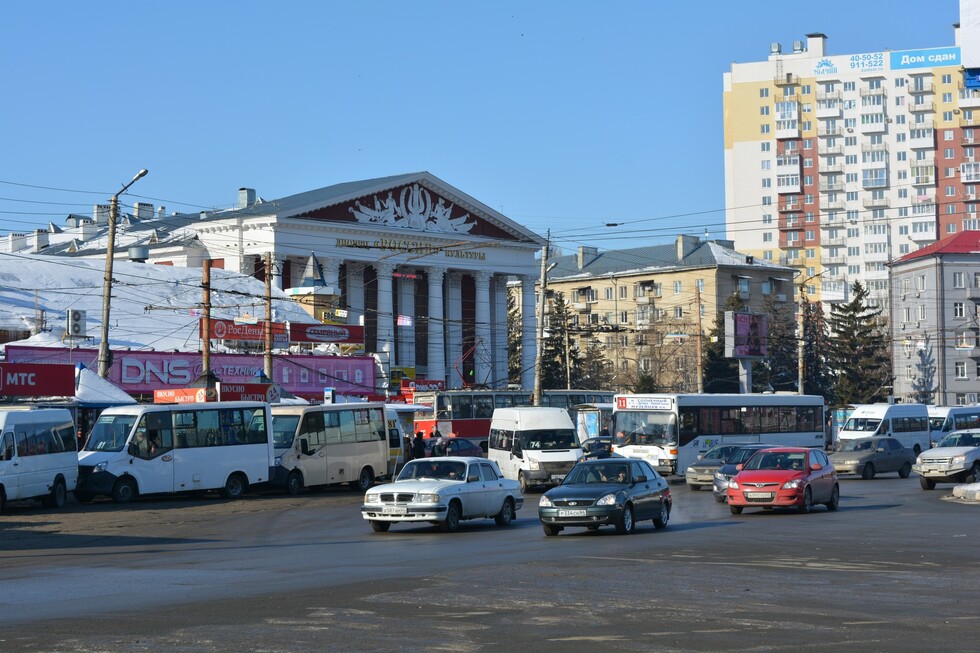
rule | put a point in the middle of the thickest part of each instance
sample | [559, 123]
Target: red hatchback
[784, 477]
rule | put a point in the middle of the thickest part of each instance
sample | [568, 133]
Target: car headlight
[691, 470]
[544, 502]
[792, 484]
[958, 460]
[532, 463]
[278, 461]
[429, 497]
[849, 462]
[918, 460]
[101, 467]
[371, 498]
[608, 500]
[733, 484]
[721, 478]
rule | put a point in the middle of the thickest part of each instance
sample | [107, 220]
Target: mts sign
[36, 380]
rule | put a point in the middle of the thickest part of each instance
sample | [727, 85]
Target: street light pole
[107, 283]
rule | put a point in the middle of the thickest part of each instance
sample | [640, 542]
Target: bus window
[462, 407]
[483, 406]
[444, 407]
[503, 400]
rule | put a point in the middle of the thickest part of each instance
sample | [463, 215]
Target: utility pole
[206, 327]
[541, 303]
[568, 356]
[801, 363]
[700, 363]
[268, 315]
[104, 354]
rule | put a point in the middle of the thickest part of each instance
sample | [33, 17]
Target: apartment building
[647, 306]
[935, 322]
[838, 164]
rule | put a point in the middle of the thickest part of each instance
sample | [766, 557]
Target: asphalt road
[896, 569]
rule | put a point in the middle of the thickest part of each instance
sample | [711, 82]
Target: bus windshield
[644, 427]
[865, 424]
[283, 430]
[110, 433]
[936, 423]
[547, 439]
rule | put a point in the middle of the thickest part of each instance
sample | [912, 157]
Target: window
[623, 292]
[678, 312]
[763, 92]
[959, 280]
[764, 129]
[767, 146]
[609, 294]
[677, 287]
[961, 369]
[764, 110]
[958, 309]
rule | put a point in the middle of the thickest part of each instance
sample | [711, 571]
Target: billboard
[746, 335]
[28, 380]
[338, 333]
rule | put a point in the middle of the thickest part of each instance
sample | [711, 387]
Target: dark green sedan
[615, 492]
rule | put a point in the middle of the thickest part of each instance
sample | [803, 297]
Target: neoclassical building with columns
[421, 265]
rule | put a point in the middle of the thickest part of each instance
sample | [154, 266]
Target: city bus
[944, 419]
[167, 448]
[467, 413]
[670, 430]
[330, 444]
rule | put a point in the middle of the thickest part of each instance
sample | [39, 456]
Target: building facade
[936, 323]
[837, 165]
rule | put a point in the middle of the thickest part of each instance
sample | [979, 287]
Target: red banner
[267, 392]
[180, 396]
[337, 333]
[30, 380]
[231, 330]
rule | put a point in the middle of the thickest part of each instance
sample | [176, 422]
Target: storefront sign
[36, 380]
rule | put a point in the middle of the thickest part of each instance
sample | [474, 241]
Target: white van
[535, 446]
[37, 456]
[907, 423]
[943, 419]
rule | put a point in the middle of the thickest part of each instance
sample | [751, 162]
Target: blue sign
[925, 58]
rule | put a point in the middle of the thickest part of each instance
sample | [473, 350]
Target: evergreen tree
[515, 336]
[721, 373]
[554, 360]
[816, 376]
[779, 370]
[924, 385]
[593, 371]
[858, 352]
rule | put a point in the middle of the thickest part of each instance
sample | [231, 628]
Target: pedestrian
[418, 445]
[407, 448]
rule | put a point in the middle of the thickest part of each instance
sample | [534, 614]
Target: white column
[437, 337]
[386, 318]
[277, 263]
[483, 352]
[528, 332]
[498, 330]
[406, 332]
[331, 273]
[454, 328]
[355, 293]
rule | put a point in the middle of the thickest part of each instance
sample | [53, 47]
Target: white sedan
[444, 491]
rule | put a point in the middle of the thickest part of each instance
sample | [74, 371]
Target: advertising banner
[337, 333]
[29, 380]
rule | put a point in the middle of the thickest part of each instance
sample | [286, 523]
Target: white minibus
[37, 456]
[165, 448]
[907, 423]
[943, 419]
[330, 444]
[533, 445]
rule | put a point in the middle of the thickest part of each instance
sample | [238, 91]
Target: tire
[626, 525]
[736, 510]
[294, 483]
[868, 472]
[506, 514]
[660, 521]
[916, 450]
[974, 476]
[807, 504]
[380, 526]
[234, 487]
[124, 490]
[720, 498]
[550, 530]
[694, 488]
[59, 495]
[906, 470]
[364, 480]
[451, 524]
[3, 500]
[927, 483]
[834, 499]
[523, 481]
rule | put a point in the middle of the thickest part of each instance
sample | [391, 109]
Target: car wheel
[906, 470]
[927, 483]
[523, 481]
[660, 521]
[736, 510]
[720, 498]
[506, 514]
[380, 526]
[868, 472]
[364, 481]
[451, 525]
[234, 487]
[834, 498]
[57, 497]
[294, 483]
[807, 504]
[694, 488]
[124, 490]
[625, 525]
[550, 530]
[916, 450]
[975, 473]
[3, 500]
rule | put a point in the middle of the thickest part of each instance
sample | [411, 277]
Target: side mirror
[640, 479]
[133, 450]
[880, 450]
[473, 479]
[738, 467]
[816, 467]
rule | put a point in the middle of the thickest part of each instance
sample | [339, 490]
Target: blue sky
[563, 115]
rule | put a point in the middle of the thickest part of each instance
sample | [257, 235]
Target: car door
[822, 480]
[644, 493]
[659, 489]
[494, 491]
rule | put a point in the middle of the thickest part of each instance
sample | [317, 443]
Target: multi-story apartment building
[837, 165]
[935, 322]
[648, 306]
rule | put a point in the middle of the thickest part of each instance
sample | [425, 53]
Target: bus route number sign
[644, 403]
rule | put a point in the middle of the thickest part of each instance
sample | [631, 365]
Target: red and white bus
[467, 413]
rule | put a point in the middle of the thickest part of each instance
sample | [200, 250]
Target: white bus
[670, 430]
[943, 419]
[37, 456]
[165, 448]
[330, 444]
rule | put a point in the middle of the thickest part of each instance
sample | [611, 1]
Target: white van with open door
[533, 445]
[37, 456]
[907, 423]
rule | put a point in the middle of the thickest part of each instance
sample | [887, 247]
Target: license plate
[394, 510]
[571, 513]
[557, 478]
[758, 495]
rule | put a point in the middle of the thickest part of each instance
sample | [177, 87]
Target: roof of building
[965, 242]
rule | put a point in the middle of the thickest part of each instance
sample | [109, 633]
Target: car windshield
[740, 456]
[960, 440]
[777, 460]
[857, 445]
[110, 433]
[283, 428]
[548, 439]
[449, 470]
[865, 424]
[644, 428]
[604, 473]
[721, 452]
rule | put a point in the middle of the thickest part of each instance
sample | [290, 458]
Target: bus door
[153, 455]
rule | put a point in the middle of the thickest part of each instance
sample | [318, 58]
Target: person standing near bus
[418, 446]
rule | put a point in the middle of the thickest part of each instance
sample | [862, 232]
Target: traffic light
[76, 323]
